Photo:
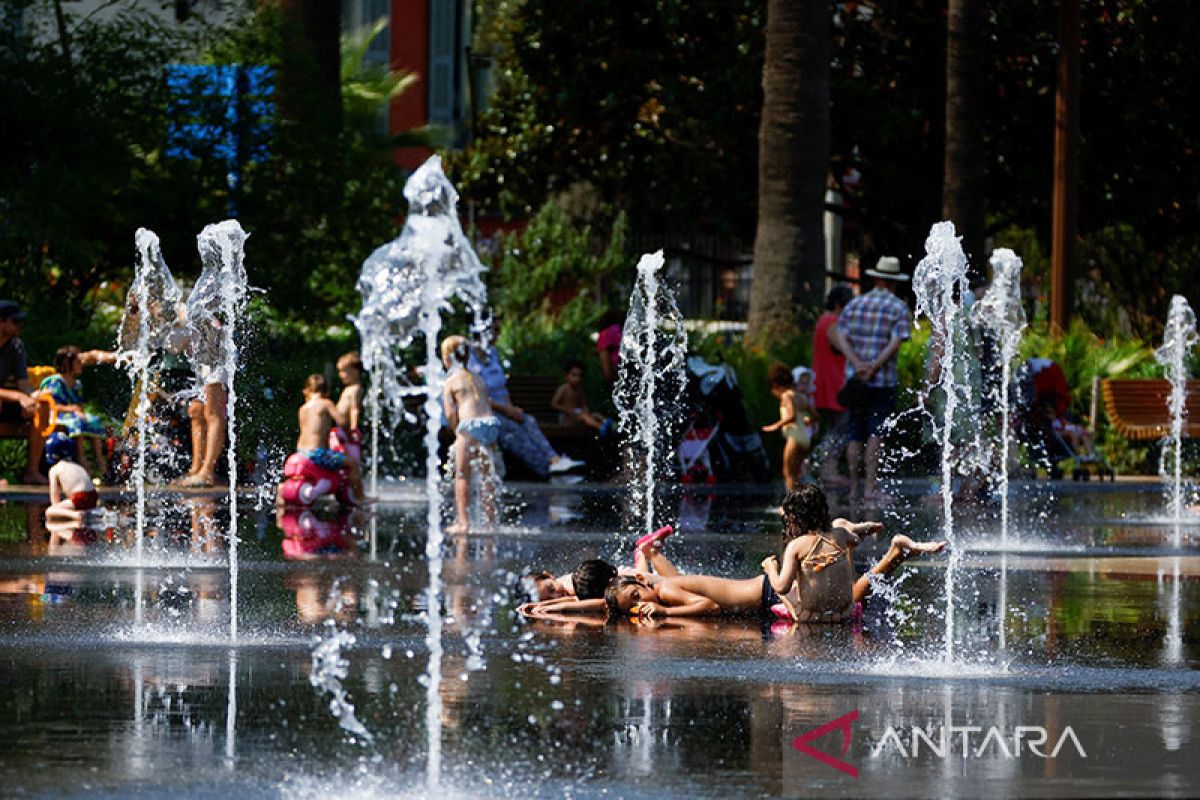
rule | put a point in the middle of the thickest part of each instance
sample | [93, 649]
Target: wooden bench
[1138, 408]
[532, 394]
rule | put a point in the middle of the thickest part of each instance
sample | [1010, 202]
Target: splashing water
[1179, 340]
[214, 308]
[939, 282]
[328, 670]
[406, 286]
[653, 351]
[1001, 312]
[150, 311]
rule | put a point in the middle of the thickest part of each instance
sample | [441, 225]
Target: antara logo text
[948, 741]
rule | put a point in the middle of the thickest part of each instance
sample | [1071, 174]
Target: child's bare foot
[906, 547]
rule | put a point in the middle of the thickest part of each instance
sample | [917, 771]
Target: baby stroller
[1043, 423]
[720, 438]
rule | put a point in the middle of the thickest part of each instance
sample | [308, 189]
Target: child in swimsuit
[795, 417]
[818, 559]
[347, 438]
[583, 589]
[469, 412]
[71, 489]
[315, 470]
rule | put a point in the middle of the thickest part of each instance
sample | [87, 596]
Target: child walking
[795, 419]
[469, 412]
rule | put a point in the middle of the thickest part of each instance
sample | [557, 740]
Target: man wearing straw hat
[869, 333]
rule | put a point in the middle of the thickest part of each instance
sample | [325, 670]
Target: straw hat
[888, 268]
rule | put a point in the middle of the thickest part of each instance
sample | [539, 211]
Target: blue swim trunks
[484, 430]
[326, 459]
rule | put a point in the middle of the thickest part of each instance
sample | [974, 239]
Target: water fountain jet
[653, 352]
[1179, 341]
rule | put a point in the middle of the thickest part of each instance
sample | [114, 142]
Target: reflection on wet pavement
[117, 674]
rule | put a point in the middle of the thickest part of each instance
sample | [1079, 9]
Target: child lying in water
[816, 562]
[583, 589]
[818, 558]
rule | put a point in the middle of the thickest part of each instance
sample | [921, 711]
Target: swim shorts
[85, 501]
[484, 430]
[326, 459]
[769, 597]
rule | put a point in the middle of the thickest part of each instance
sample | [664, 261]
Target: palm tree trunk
[793, 158]
[963, 197]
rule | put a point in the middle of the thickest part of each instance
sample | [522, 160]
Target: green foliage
[86, 163]
[551, 283]
[655, 103]
[1083, 356]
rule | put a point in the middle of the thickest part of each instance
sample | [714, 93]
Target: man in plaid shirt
[869, 333]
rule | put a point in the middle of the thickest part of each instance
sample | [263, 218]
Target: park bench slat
[1137, 407]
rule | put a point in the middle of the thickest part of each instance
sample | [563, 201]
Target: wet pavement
[1074, 670]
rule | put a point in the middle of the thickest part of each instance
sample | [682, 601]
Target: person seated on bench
[71, 417]
[17, 404]
[570, 401]
[519, 432]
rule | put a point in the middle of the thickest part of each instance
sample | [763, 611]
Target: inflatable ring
[52, 417]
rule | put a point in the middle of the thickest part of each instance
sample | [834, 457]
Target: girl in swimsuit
[794, 419]
[818, 558]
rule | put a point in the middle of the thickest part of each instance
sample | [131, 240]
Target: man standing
[17, 404]
[869, 333]
[829, 367]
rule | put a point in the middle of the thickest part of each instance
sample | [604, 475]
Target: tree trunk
[310, 91]
[793, 158]
[963, 199]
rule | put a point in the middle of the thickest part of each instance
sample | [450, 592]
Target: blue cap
[9, 309]
[59, 447]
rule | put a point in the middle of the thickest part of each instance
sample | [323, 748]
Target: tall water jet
[406, 285]
[653, 351]
[940, 283]
[150, 310]
[1179, 340]
[1002, 313]
[214, 307]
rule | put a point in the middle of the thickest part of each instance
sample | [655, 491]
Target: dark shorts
[11, 412]
[868, 420]
[769, 597]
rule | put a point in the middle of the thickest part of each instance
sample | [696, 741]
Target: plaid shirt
[869, 322]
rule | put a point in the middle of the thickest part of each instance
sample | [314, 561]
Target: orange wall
[410, 51]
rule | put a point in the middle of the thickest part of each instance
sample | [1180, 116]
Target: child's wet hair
[614, 586]
[780, 375]
[351, 360]
[591, 578]
[455, 350]
[316, 383]
[573, 363]
[804, 510]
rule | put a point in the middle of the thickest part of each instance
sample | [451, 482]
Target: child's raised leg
[650, 558]
[901, 549]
